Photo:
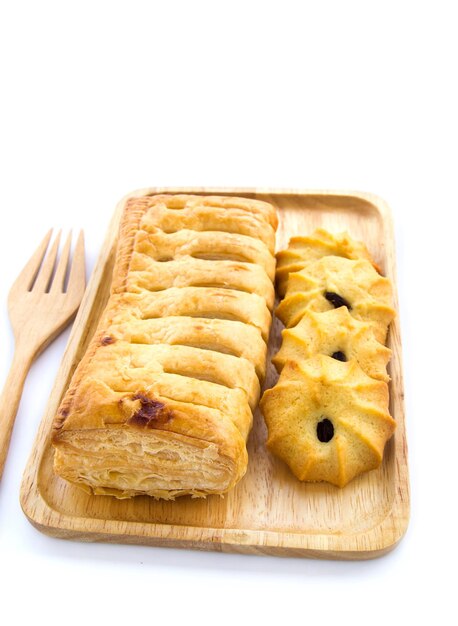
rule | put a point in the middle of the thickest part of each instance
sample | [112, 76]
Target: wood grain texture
[39, 309]
[269, 512]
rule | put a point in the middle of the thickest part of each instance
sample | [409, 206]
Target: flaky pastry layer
[161, 403]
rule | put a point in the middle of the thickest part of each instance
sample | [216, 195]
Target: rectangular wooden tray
[269, 512]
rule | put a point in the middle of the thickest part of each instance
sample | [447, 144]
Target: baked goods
[332, 282]
[303, 250]
[334, 333]
[161, 402]
[327, 419]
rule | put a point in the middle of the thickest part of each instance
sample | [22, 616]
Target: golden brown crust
[160, 402]
[227, 336]
[251, 218]
[163, 247]
[146, 274]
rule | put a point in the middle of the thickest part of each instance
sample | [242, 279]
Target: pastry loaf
[161, 403]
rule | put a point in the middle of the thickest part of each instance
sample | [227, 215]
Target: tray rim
[384, 536]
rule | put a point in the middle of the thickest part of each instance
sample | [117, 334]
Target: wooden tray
[269, 512]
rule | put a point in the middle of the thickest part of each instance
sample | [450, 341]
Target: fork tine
[59, 275]
[77, 277]
[26, 278]
[44, 275]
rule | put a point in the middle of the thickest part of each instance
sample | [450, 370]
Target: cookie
[337, 334]
[303, 250]
[327, 419]
[332, 282]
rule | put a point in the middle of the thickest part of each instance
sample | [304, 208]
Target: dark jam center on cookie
[325, 430]
[336, 300]
[339, 356]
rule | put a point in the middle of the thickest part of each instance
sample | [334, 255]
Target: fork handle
[10, 398]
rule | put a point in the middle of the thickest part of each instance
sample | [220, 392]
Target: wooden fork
[40, 305]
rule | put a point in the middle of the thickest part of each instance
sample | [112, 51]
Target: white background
[100, 98]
